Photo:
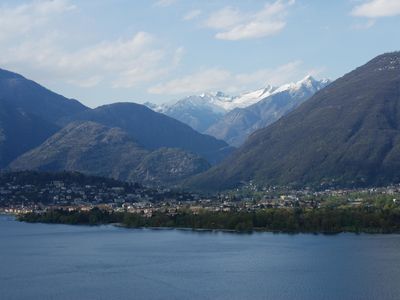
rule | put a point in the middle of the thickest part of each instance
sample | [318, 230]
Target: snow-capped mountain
[248, 98]
[199, 112]
[235, 126]
[203, 112]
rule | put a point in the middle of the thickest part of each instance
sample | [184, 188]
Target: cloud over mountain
[233, 24]
[33, 38]
[377, 9]
[214, 79]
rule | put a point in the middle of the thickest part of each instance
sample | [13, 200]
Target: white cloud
[18, 20]
[32, 47]
[225, 18]
[164, 3]
[377, 8]
[233, 24]
[193, 14]
[193, 83]
[124, 63]
[214, 79]
[364, 25]
[251, 30]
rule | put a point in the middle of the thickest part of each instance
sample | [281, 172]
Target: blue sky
[103, 51]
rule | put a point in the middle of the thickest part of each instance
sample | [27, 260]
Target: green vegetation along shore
[281, 220]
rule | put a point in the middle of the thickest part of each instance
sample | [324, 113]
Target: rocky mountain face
[92, 148]
[347, 134]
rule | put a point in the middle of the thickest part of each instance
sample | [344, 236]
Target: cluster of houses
[23, 198]
[20, 199]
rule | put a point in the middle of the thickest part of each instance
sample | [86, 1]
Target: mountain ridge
[154, 130]
[215, 113]
[347, 134]
[239, 123]
[31, 116]
[92, 148]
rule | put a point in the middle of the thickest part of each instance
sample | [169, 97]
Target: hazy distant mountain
[29, 114]
[92, 148]
[154, 130]
[238, 124]
[199, 112]
[346, 134]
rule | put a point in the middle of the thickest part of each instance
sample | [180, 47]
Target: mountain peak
[5, 74]
[387, 61]
[308, 77]
[310, 81]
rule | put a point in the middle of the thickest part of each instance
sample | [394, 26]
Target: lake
[41, 261]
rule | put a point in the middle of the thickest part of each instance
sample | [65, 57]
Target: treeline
[93, 217]
[38, 178]
[284, 220]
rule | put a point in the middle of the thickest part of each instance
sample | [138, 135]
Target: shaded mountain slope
[20, 132]
[154, 130]
[346, 134]
[29, 114]
[29, 97]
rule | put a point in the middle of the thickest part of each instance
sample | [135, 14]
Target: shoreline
[217, 230]
[324, 221]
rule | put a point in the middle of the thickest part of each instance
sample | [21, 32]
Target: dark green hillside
[92, 148]
[153, 130]
[346, 134]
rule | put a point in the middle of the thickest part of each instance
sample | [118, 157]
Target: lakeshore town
[22, 198]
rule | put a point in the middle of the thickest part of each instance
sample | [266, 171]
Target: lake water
[39, 261]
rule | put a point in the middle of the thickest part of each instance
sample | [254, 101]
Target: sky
[105, 51]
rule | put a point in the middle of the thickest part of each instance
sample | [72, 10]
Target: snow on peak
[307, 83]
[219, 102]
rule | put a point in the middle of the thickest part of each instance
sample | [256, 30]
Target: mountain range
[235, 126]
[233, 119]
[343, 133]
[42, 130]
[347, 134]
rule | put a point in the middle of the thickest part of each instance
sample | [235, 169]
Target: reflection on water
[40, 261]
